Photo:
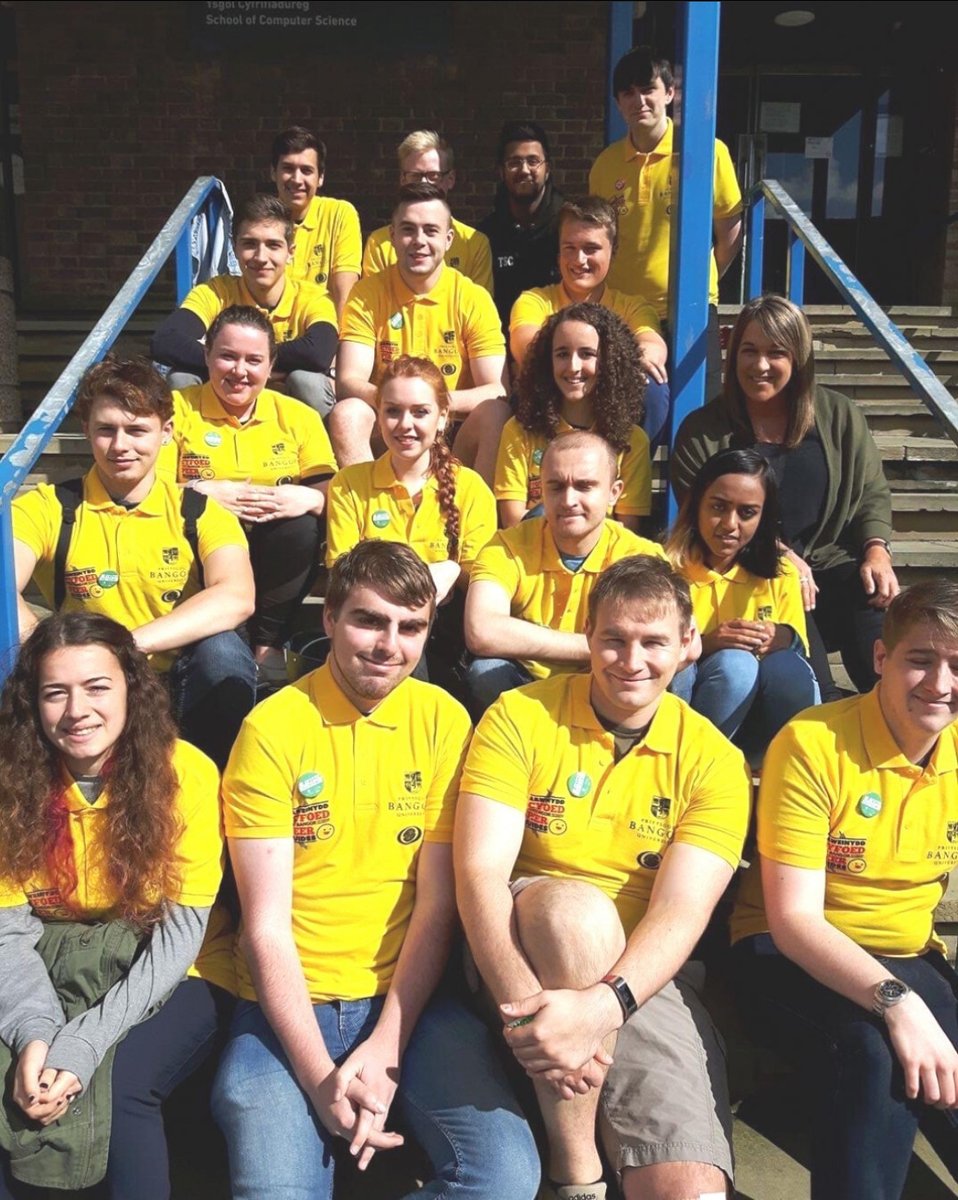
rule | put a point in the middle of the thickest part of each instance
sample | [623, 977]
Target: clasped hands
[43, 1093]
[557, 1036]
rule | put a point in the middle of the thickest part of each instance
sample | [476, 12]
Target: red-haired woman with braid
[416, 492]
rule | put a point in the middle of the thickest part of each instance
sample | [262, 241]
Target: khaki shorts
[666, 1096]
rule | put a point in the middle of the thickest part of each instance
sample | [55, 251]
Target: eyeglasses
[532, 161]
[423, 176]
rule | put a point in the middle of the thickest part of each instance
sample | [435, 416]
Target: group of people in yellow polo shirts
[583, 834]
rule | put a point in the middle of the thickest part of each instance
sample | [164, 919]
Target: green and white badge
[579, 784]
[310, 784]
[870, 804]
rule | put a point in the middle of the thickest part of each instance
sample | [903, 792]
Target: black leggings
[285, 558]
[843, 620]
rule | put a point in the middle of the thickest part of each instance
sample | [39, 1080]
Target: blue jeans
[863, 1127]
[488, 678]
[452, 1096]
[213, 687]
[749, 699]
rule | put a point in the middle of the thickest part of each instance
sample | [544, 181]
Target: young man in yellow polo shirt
[588, 238]
[639, 177]
[599, 822]
[422, 307]
[425, 157]
[303, 317]
[857, 832]
[124, 541]
[328, 243]
[339, 799]
[528, 591]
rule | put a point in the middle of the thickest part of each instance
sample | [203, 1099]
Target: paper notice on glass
[778, 116]
[818, 147]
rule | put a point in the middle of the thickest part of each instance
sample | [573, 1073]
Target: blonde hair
[786, 325]
[422, 140]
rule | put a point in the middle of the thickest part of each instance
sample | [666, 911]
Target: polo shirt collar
[697, 571]
[335, 709]
[311, 216]
[662, 735]
[212, 408]
[75, 800]
[595, 560]
[435, 295]
[884, 752]
[97, 497]
[284, 307]
[661, 150]
[384, 477]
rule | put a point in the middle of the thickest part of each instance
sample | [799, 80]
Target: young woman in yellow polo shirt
[110, 860]
[753, 675]
[264, 456]
[417, 493]
[582, 371]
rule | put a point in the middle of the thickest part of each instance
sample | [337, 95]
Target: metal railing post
[691, 251]
[184, 264]
[796, 268]
[9, 625]
[620, 42]
[755, 247]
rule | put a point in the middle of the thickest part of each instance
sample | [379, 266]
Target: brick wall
[121, 110]
[949, 291]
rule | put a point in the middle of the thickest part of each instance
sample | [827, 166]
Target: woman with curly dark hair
[110, 860]
[582, 371]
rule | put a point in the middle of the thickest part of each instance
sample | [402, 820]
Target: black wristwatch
[623, 993]
[887, 994]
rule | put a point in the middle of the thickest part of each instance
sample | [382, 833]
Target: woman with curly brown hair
[582, 371]
[110, 860]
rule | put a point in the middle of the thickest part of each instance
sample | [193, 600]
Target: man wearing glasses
[425, 157]
[523, 227]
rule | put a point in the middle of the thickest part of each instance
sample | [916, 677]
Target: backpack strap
[192, 507]
[70, 496]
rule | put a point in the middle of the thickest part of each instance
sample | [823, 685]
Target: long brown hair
[442, 462]
[142, 825]
[785, 324]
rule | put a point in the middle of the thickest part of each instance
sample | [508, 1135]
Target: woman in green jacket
[836, 507]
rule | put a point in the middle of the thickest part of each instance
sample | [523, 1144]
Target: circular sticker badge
[213, 438]
[537, 457]
[579, 784]
[380, 518]
[310, 784]
[395, 321]
[108, 579]
[869, 805]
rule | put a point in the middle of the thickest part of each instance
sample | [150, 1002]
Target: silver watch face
[890, 991]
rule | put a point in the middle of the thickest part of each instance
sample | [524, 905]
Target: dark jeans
[285, 558]
[212, 688]
[863, 1126]
[843, 620]
[152, 1060]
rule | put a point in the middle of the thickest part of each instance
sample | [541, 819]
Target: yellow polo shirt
[519, 461]
[450, 325]
[541, 749]
[133, 565]
[469, 253]
[326, 240]
[283, 440]
[367, 501]
[740, 595]
[301, 305]
[537, 305]
[357, 795]
[641, 188]
[525, 563]
[839, 796]
[199, 859]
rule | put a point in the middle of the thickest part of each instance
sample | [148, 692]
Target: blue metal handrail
[207, 194]
[802, 237]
